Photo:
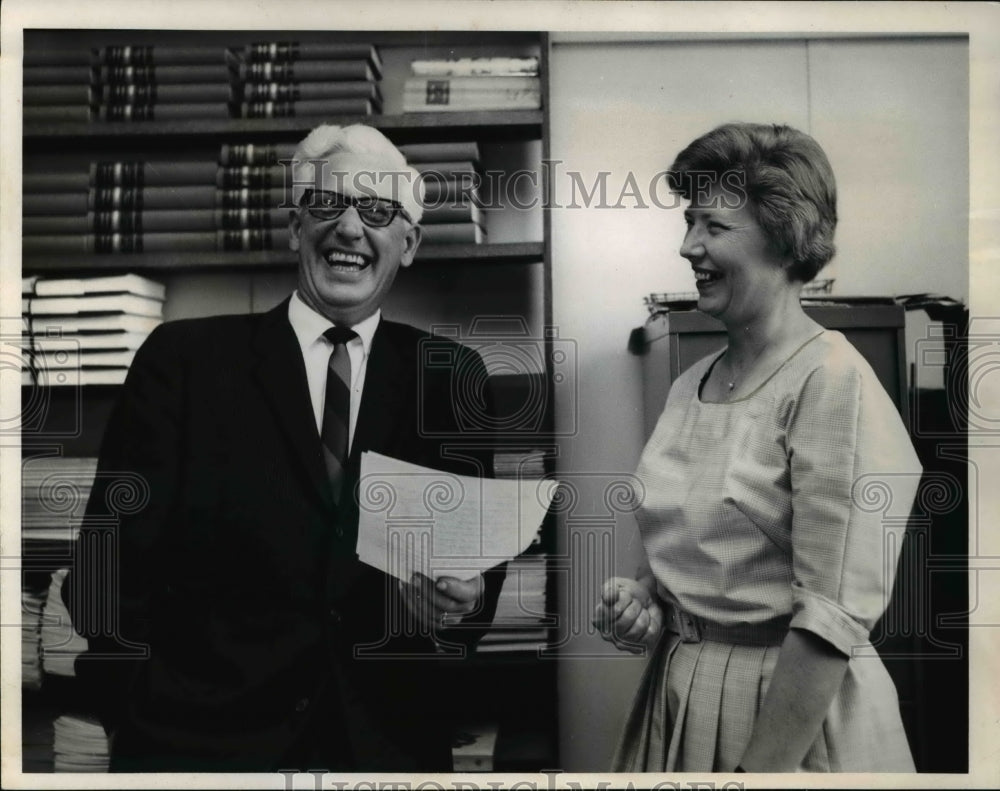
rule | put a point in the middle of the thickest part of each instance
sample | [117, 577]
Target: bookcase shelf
[445, 255]
[409, 127]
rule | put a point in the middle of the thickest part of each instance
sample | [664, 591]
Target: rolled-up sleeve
[845, 437]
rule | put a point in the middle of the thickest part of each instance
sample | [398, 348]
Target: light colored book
[460, 67]
[99, 303]
[454, 233]
[103, 341]
[59, 359]
[71, 325]
[116, 284]
[75, 377]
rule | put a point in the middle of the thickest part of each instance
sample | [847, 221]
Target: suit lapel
[281, 375]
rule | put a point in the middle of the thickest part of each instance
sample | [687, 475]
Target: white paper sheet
[413, 518]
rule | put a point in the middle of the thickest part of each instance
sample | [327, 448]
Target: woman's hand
[629, 614]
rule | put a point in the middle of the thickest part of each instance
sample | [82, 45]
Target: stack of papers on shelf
[54, 494]
[521, 622]
[473, 747]
[86, 330]
[61, 645]
[80, 744]
[32, 605]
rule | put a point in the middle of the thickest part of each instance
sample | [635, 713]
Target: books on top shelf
[146, 83]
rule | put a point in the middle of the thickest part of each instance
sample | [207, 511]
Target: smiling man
[231, 625]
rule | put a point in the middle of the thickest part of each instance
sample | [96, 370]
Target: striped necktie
[337, 407]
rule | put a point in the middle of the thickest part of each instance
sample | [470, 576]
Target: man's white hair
[362, 161]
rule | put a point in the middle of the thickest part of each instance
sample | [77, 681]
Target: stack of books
[522, 620]
[451, 177]
[473, 747]
[278, 79]
[129, 83]
[54, 495]
[32, 607]
[472, 84]
[79, 744]
[154, 206]
[171, 83]
[61, 645]
[86, 331]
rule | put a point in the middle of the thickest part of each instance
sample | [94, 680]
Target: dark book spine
[246, 198]
[163, 112]
[149, 93]
[76, 95]
[59, 181]
[137, 173]
[70, 56]
[238, 155]
[253, 239]
[156, 221]
[47, 203]
[306, 109]
[239, 219]
[120, 243]
[297, 91]
[251, 177]
[57, 113]
[55, 225]
[151, 55]
[57, 75]
[130, 199]
[306, 71]
[164, 75]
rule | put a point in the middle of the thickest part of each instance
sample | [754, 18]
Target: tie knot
[339, 335]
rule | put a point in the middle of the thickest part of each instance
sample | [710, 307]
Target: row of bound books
[85, 331]
[238, 202]
[143, 83]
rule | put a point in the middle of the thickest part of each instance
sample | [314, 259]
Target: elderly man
[231, 625]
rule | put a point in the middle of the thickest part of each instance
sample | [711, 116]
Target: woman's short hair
[783, 173]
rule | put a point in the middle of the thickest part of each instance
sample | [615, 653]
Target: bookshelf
[501, 685]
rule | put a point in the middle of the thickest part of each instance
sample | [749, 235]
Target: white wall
[892, 115]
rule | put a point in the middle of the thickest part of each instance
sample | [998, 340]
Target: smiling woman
[763, 573]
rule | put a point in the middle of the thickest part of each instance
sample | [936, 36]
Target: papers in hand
[413, 518]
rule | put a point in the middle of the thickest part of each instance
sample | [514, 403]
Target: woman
[764, 571]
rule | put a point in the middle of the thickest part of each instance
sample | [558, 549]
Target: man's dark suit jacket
[234, 565]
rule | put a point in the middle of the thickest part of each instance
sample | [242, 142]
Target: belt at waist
[693, 629]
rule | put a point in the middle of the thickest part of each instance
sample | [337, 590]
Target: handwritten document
[413, 518]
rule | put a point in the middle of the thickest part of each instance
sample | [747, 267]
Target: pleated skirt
[697, 704]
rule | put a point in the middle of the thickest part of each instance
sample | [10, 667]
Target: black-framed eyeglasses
[374, 212]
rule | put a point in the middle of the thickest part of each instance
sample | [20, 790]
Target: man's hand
[442, 602]
[628, 614]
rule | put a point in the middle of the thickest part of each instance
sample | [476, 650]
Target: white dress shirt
[309, 327]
